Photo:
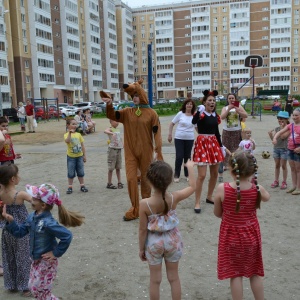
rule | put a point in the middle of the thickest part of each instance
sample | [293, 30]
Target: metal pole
[252, 113]
[150, 96]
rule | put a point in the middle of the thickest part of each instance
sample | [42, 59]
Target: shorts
[293, 156]
[167, 245]
[6, 163]
[75, 166]
[280, 153]
[114, 159]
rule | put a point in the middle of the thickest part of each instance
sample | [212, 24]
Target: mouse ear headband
[207, 93]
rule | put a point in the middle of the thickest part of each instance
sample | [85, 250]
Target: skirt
[207, 150]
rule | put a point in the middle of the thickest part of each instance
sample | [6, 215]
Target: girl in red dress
[207, 150]
[240, 249]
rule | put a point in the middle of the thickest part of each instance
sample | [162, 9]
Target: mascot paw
[104, 95]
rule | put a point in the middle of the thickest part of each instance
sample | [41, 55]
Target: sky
[139, 3]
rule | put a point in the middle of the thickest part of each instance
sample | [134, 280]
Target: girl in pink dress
[159, 237]
[240, 249]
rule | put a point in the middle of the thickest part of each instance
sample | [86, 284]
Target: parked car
[68, 110]
[85, 105]
[173, 101]
[161, 101]
[11, 113]
[102, 106]
[125, 104]
[260, 97]
[181, 99]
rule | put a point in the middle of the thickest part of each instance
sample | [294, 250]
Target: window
[23, 18]
[25, 48]
[26, 64]
[27, 79]
[28, 94]
[224, 9]
[295, 79]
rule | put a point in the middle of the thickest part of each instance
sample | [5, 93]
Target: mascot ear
[215, 92]
[140, 81]
[205, 93]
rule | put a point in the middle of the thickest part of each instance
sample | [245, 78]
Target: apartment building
[203, 45]
[72, 49]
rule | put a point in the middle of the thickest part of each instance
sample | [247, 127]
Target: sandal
[26, 294]
[296, 192]
[283, 185]
[120, 185]
[275, 184]
[84, 189]
[70, 190]
[111, 186]
[291, 190]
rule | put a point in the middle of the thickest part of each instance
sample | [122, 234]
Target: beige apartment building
[203, 45]
[72, 49]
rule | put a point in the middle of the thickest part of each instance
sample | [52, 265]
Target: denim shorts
[75, 166]
[280, 153]
[293, 156]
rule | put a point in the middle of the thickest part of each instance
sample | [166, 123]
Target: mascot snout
[125, 85]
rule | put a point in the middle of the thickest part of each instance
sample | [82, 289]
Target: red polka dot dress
[207, 150]
[240, 248]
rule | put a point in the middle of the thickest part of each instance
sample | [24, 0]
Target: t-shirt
[116, 139]
[21, 112]
[185, 129]
[29, 109]
[7, 152]
[232, 122]
[74, 148]
[247, 146]
[291, 144]
[281, 143]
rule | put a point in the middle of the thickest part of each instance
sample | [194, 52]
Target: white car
[68, 110]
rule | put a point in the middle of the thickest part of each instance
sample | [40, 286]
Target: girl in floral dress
[159, 237]
[44, 231]
[207, 150]
[240, 247]
[15, 252]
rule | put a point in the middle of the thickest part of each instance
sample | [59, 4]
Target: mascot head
[136, 88]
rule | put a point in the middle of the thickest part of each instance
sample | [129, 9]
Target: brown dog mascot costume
[141, 124]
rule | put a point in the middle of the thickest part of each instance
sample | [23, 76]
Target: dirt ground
[102, 262]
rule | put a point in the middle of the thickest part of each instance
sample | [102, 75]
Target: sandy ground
[102, 261]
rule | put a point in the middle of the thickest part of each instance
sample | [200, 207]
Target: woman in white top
[232, 114]
[184, 136]
[21, 115]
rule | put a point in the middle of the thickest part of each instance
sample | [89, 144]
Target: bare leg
[277, 168]
[236, 285]
[284, 169]
[155, 280]
[109, 176]
[257, 287]
[118, 173]
[173, 277]
[199, 184]
[70, 181]
[213, 169]
[81, 181]
[297, 173]
[293, 173]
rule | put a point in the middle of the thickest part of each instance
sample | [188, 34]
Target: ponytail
[69, 218]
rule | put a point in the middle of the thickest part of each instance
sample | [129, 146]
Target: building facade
[72, 49]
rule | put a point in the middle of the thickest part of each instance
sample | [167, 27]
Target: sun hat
[46, 192]
[283, 114]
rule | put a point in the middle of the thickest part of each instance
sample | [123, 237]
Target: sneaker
[176, 180]
[84, 189]
[283, 185]
[275, 184]
[70, 190]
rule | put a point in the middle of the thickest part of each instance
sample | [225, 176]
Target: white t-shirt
[185, 128]
[21, 112]
[246, 146]
[232, 122]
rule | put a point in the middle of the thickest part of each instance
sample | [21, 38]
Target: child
[44, 231]
[293, 149]
[75, 156]
[15, 252]
[159, 236]
[7, 153]
[247, 144]
[114, 154]
[240, 247]
[280, 151]
[221, 165]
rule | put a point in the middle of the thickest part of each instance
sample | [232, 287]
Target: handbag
[34, 123]
[296, 145]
